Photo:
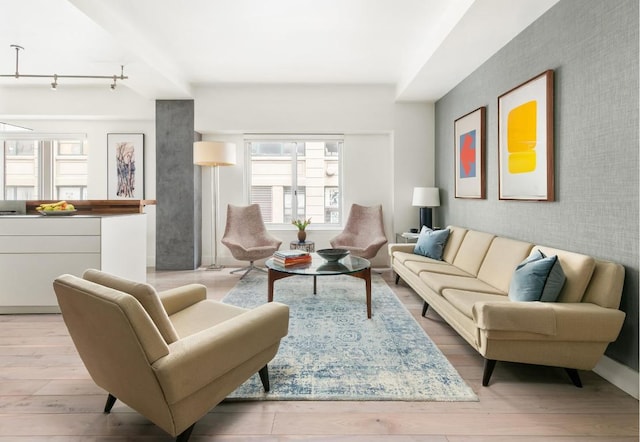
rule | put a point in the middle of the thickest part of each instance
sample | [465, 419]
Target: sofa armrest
[179, 298]
[562, 321]
[532, 317]
[199, 359]
[400, 247]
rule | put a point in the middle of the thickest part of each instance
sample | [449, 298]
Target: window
[39, 166]
[295, 178]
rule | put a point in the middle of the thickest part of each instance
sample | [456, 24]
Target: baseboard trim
[619, 375]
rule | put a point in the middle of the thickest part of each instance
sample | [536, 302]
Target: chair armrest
[179, 298]
[199, 359]
[266, 249]
[563, 321]
[375, 245]
[232, 244]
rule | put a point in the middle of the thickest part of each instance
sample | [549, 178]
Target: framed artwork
[469, 155]
[125, 166]
[525, 141]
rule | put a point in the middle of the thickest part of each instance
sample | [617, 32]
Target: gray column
[178, 188]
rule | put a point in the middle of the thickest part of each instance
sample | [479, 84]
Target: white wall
[384, 140]
[388, 146]
[95, 112]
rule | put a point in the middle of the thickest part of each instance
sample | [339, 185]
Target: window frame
[47, 146]
[295, 158]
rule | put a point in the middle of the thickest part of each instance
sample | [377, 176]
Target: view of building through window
[35, 168]
[296, 179]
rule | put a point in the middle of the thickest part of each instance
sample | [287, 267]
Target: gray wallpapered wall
[593, 47]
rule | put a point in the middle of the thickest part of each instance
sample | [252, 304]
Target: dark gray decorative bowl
[332, 255]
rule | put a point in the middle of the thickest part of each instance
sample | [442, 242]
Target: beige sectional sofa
[469, 289]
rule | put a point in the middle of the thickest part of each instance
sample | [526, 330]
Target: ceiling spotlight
[54, 85]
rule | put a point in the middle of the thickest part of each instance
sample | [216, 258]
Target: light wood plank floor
[47, 395]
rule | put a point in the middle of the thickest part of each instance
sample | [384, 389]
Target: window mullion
[294, 182]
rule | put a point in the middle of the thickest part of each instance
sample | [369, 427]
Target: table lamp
[214, 154]
[426, 198]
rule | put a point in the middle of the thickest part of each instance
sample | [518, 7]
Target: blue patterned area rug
[333, 352]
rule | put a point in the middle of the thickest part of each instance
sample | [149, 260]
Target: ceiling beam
[153, 75]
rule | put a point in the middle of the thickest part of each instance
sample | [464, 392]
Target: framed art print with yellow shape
[525, 141]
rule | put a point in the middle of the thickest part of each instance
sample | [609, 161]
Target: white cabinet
[34, 250]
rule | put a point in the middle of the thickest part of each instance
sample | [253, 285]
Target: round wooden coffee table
[349, 265]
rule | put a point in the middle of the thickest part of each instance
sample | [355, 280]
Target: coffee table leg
[366, 275]
[315, 287]
[271, 280]
[367, 282]
[273, 276]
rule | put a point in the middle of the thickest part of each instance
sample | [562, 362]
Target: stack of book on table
[291, 257]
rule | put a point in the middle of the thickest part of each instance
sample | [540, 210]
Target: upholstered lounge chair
[171, 356]
[246, 236]
[363, 235]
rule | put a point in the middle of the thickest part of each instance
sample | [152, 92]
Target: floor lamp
[214, 154]
[426, 198]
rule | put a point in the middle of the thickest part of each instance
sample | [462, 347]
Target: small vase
[302, 235]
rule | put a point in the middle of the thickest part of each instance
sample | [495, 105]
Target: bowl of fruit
[60, 208]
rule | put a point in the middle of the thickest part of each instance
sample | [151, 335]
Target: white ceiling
[422, 47]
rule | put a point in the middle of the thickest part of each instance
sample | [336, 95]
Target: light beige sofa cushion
[501, 260]
[448, 269]
[472, 251]
[438, 282]
[456, 236]
[605, 288]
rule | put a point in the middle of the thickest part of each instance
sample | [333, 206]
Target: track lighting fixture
[54, 84]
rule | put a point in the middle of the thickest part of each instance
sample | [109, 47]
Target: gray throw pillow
[537, 278]
[431, 243]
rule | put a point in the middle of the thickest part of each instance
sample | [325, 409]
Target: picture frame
[469, 154]
[525, 141]
[125, 166]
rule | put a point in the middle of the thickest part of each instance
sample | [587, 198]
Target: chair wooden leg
[397, 278]
[489, 365]
[574, 376]
[264, 378]
[109, 405]
[185, 435]
[425, 307]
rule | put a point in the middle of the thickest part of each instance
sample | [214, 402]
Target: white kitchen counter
[35, 249]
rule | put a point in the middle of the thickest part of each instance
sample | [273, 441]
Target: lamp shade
[214, 153]
[426, 197]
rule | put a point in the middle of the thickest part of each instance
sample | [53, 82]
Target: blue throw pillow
[431, 243]
[537, 278]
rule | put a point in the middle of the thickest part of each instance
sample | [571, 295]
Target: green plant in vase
[301, 224]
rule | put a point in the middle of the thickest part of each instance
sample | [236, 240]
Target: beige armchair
[170, 356]
[363, 235]
[246, 236]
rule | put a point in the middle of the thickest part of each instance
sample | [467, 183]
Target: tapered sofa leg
[264, 378]
[489, 365]
[397, 279]
[185, 435]
[109, 405]
[574, 376]
[425, 307]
